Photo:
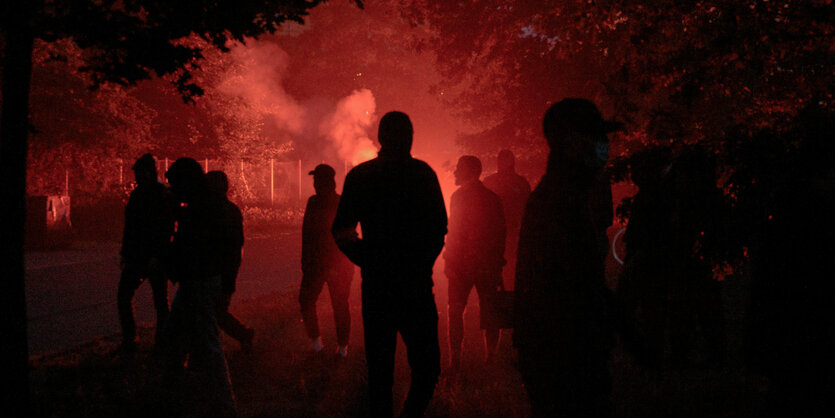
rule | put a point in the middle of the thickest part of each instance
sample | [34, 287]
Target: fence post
[272, 182]
[66, 182]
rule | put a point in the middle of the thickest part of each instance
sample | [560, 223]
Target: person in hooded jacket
[397, 201]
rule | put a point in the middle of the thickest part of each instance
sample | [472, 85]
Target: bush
[260, 217]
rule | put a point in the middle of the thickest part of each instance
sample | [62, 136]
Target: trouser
[566, 386]
[460, 286]
[229, 324]
[191, 333]
[339, 287]
[132, 277]
[415, 317]
[696, 299]
[510, 254]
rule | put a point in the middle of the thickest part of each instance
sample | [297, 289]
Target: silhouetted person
[695, 248]
[149, 224]
[513, 190]
[600, 202]
[474, 255]
[644, 284]
[561, 329]
[232, 248]
[322, 263]
[199, 249]
[397, 201]
[791, 318]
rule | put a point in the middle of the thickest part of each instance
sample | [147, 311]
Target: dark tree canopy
[130, 40]
[123, 41]
[714, 65]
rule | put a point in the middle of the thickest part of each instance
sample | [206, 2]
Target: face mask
[601, 152]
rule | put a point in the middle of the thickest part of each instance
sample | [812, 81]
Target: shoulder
[493, 178]
[539, 196]
[423, 166]
[364, 169]
[456, 195]
[233, 209]
[490, 197]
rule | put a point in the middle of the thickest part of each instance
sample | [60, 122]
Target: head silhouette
[145, 169]
[573, 127]
[323, 179]
[395, 134]
[187, 179]
[218, 182]
[649, 166]
[467, 170]
[506, 161]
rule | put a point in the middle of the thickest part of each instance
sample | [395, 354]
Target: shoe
[317, 345]
[126, 348]
[342, 351]
[247, 342]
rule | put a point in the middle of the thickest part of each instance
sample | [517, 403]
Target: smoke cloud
[347, 127]
[256, 78]
[335, 129]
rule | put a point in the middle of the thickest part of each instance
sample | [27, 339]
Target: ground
[74, 332]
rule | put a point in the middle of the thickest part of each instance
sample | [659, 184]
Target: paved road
[71, 294]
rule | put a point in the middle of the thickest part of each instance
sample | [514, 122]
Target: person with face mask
[561, 328]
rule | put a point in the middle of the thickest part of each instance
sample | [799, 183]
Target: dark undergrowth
[282, 378]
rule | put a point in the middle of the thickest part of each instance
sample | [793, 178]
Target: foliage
[708, 66]
[261, 218]
[130, 40]
[88, 135]
[281, 379]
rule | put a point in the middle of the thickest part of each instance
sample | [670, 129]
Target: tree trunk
[17, 71]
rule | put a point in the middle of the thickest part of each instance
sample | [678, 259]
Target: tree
[712, 65]
[80, 131]
[124, 41]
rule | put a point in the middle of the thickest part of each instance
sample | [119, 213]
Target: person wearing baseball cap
[561, 330]
[323, 263]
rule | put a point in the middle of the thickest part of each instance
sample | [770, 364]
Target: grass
[282, 378]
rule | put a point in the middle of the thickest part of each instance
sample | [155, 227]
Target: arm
[307, 237]
[345, 223]
[438, 216]
[500, 233]
[236, 242]
[524, 276]
[453, 240]
[127, 234]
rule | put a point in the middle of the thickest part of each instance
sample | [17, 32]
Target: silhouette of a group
[547, 246]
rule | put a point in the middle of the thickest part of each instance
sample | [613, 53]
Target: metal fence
[265, 182]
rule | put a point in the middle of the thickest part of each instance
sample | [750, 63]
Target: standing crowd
[546, 247]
